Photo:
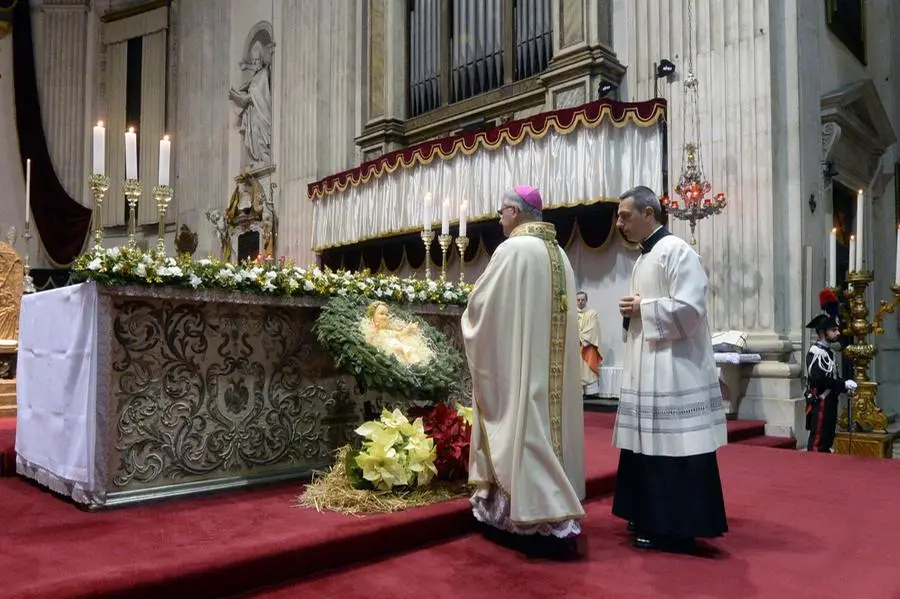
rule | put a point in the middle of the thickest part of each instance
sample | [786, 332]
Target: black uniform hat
[823, 322]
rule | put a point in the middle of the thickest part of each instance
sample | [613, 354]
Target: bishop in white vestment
[520, 331]
[671, 419]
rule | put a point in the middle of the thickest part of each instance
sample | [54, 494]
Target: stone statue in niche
[254, 99]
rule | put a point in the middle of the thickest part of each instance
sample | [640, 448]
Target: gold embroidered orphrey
[558, 320]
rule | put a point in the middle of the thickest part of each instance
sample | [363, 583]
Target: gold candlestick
[28, 282]
[99, 185]
[427, 238]
[866, 415]
[133, 189]
[444, 241]
[163, 195]
[462, 243]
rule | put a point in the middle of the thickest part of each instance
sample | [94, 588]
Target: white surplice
[670, 403]
[520, 331]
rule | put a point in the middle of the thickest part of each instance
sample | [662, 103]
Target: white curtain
[584, 165]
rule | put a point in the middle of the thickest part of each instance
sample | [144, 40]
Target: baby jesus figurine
[393, 336]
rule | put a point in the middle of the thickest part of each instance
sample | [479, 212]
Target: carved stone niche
[250, 220]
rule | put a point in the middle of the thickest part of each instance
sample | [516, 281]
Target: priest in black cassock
[671, 419]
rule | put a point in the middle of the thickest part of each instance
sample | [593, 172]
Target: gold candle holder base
[427, 238]
[99, 186]
[133, 189]
[444, 241]
[163, 195]
[863, 413]
[462, 243]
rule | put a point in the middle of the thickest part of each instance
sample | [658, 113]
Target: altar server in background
[823, 384]
[671, 419]
[520, 331]
[589, 337]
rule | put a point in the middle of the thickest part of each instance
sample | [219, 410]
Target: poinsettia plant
[451, 431]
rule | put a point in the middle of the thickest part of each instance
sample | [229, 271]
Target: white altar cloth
[56, 389]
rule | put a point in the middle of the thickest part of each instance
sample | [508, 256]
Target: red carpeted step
[740, 430]
[766, 441]
[7, 446]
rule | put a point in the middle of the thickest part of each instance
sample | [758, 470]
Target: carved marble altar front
[206, 390]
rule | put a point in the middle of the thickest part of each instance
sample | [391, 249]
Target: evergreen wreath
[338, 330]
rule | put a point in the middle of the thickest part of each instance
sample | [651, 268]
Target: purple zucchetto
[530, 196]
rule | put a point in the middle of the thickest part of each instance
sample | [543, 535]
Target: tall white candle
[99, 149]
[851, 266]
[445, 218]
[165, 149]
[897, 267]
[27, 191]
[860, 220]
[426, 213]
[131, 167]
[832, 259]
[463, 212]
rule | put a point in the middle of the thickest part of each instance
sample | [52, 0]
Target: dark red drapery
[62, 222]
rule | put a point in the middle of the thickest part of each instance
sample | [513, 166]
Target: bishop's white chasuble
[521, 337]
[670, 403]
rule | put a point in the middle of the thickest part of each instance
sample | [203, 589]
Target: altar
[134, 393]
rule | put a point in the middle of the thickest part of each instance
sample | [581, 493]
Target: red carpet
[222, 544]
[784, 542]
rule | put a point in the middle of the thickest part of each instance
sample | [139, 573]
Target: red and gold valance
[619, 114]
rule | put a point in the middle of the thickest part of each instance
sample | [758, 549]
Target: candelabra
[28, 282]
[693, 189]
[864, 413]
[462, 242]
[427, 238]
[99, 186]
[444, 241]
[133, 190]
[163, 195]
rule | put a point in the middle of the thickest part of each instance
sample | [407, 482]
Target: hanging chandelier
[697, 200]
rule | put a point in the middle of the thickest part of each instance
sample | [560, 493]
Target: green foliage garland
[338, 331]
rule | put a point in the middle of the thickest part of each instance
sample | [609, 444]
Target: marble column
[202, 118]
[752, 256]
[386, 73]
[582, 52]
[61, 32]
[300, 122]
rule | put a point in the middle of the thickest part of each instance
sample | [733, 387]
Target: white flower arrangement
[130, 266]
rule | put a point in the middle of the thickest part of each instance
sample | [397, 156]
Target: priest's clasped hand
[630, 305]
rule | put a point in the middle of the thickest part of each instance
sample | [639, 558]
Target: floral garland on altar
[130, 266]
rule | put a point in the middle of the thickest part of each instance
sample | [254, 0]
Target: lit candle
[852, 263]
[426, 213]
[445, 218]
[131, 168]
[27, 191]
[463, 211]
[897, 267]
[165, 149]
[832, 259]
[99, 149]
[860, 218]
